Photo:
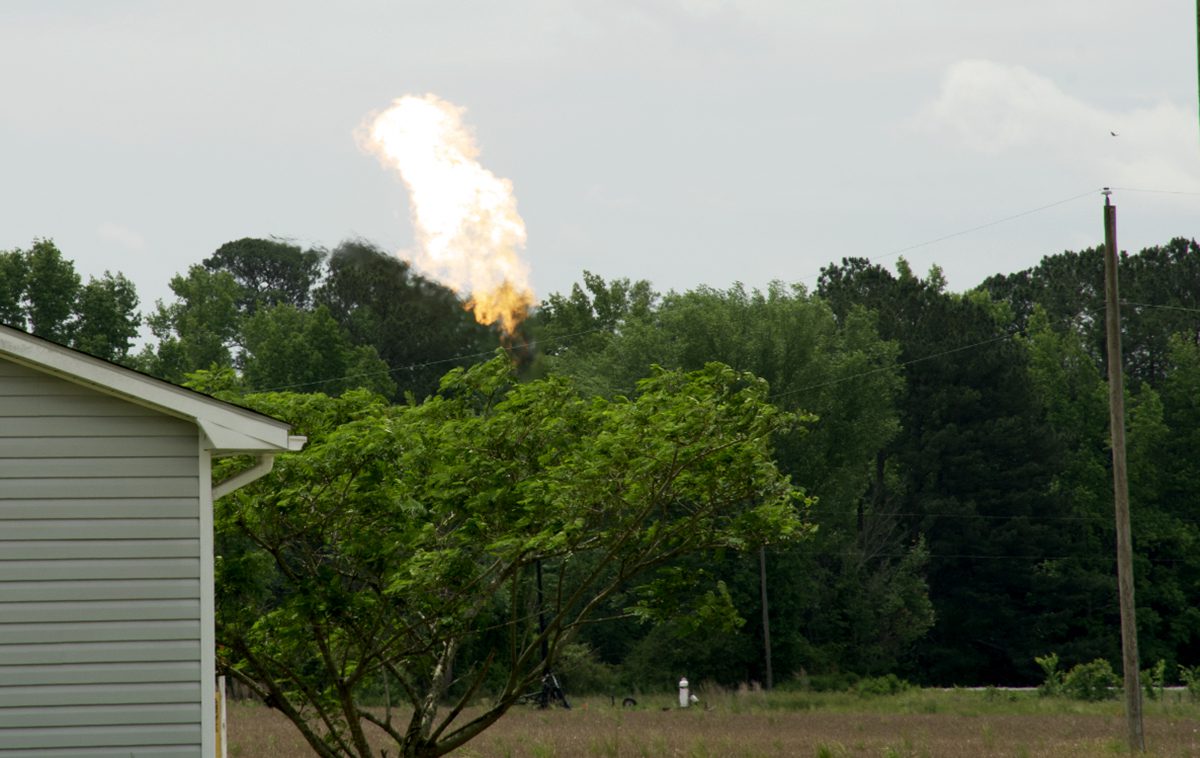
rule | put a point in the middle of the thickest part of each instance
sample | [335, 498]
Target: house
[106, 552]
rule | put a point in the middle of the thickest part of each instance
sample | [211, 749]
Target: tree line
[947, 514]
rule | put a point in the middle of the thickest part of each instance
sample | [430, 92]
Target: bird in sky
[1114, 134]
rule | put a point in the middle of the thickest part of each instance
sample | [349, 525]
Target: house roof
[227, 427]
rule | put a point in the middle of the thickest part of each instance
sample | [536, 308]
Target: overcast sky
[680, 141]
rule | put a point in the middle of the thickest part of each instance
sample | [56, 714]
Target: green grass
[957, 702]
[753, 724]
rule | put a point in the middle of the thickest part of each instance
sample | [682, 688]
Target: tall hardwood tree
[420, 328]
[50, 290]
[854, 582]
[1160, 290]
[269, 272]
[973, 466]
[373, 555]
[201, 329]
[286, 348]
[107, 321]
[41, 292]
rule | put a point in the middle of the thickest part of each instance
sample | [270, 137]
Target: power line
[1161, 307]
[904, 364]
[972, 229]
[1155, 191]
[998, 221]
[426, 364]
[1012, 217]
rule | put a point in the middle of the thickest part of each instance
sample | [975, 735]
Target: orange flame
[468, 231]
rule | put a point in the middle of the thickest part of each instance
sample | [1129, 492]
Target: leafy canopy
[40, 292]
[379, 551]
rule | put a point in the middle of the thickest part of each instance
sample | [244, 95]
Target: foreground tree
[372, 558]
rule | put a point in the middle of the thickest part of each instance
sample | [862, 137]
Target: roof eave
[227, 428]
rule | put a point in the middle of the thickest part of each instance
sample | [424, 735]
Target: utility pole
[542, 621]
[766, 617]
[1116, 413]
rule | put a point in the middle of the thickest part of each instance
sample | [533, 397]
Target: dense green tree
[269, 271]
[973, 467]
[306, 351]
[14, 273]
[840, 371]
[1164, 544]
[263, 308]
[376, 553]
[50, 291]
[607, 334]
[837, 589]
[1181, 413]
[575, 330]
[419, 328]
[199, 330]
[1080, 579]
[1160, 294]
[41, 292]
[1163, 491]
[1069, 289]
[107, 318]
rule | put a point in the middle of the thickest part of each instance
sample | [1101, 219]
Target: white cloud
[121, 235]
[1001, 109]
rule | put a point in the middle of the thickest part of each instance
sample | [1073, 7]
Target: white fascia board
[227, 427]
[218, 437]
[261, 468]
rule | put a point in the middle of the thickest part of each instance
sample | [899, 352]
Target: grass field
[936, 724]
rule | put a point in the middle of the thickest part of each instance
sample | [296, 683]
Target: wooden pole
[542, 621]
[1116, 411]
[766, 618]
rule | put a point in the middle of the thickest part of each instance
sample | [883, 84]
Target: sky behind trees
[681, 141]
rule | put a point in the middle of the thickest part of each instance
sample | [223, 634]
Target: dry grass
[752, 725]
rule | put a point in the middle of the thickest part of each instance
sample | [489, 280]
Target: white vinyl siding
[100, 574]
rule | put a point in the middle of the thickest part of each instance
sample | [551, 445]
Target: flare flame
[469, 234]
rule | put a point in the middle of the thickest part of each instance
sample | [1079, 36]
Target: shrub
[582, 672]
[1052, 685]
[1191, 680]
[1153, 680]
[1091, 681]
[881, 685]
